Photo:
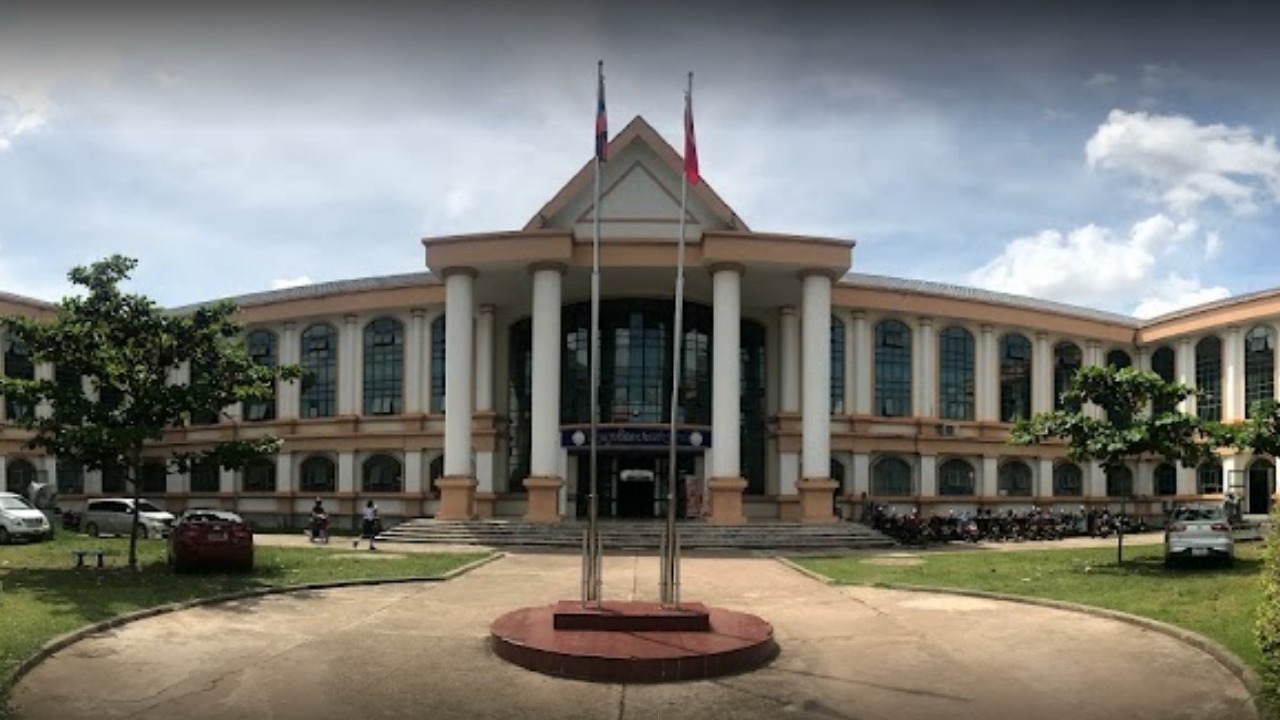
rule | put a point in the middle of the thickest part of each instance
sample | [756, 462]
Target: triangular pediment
[640, 194]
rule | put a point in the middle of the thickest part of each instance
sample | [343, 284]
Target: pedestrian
[368, 525]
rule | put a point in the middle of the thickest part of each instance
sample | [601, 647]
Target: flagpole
[670, 583]
[594, 578]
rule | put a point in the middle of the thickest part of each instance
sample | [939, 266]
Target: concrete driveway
[420, 651]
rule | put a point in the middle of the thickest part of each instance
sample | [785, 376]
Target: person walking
[368, 525]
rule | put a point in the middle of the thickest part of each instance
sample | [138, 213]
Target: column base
[484, 504]
[789, 508]
[726, 500]
[544, 499]
[816, 500]
[457, 497]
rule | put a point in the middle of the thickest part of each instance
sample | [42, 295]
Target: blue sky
[1105, 157]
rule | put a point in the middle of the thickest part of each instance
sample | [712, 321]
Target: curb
[62, 641]
[1218, 652]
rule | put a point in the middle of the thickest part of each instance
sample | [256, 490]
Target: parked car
[210, 538]
[19, 519]
[1198, 531]
[114, 516]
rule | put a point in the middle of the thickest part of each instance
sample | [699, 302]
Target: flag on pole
[602, 123]
[690, 143]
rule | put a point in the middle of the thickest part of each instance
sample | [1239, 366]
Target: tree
[1139, 420]
[128, 347]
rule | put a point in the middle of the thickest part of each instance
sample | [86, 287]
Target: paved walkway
[420, 651]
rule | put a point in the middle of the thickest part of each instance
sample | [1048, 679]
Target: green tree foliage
[1136, 422]
[127, 347]
[1268, 628]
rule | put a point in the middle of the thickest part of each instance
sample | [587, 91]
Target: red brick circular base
[736, 642]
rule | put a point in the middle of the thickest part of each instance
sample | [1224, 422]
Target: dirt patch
[894, 561]
[366, 555]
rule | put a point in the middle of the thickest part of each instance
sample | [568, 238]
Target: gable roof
[638, 130]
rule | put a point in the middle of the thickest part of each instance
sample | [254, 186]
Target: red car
[210, 538]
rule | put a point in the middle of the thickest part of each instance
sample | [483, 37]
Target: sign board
[623, 436]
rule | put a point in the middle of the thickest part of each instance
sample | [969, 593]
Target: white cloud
[1090, 265]
[1099, 80]
[1212, 245]
[1175, 292]
[282, 283]
[1184, 164]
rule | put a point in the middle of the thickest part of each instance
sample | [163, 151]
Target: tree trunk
[132, 475]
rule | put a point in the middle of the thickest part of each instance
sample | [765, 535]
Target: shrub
[1269, 615]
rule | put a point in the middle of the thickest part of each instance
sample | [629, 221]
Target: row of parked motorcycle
[985, 525]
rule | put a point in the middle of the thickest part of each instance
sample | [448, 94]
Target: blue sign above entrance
[624, 436]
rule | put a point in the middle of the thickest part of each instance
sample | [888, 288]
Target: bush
[1269, 615]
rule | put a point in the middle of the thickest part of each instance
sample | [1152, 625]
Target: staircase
[641, 535]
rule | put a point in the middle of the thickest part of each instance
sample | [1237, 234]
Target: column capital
[555, 265]
[987, 328]
[1233, 329]
[926, 321]
[446, 273]
[829, 273]
[351, 318]
[787, 310]
[719, 267]
[1093, 344]
[1043, 336]
[1185, 341]
[486, 309]
[859, 314]
[417, 312]
[289, 325]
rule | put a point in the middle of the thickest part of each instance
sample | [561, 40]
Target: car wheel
[91, 529]
[1170, 561]
[5, 539]
[1229, 561]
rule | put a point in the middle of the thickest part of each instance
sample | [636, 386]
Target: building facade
[806, 391]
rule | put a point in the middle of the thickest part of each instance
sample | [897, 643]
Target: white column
[545, 410]
[288, 394]
[428, 401]
[726, 393]
[227, 481]
[1044, 478]
[1092, 357]
[986, 374]
[862, 353]
[1233, 376]
[347, 361]
[44, 371]
[1095, 480]
[413, 362]
[1275, 379]
[1185, 367]
[413, 477]
[988, 484]
[861, 471]
[92, 480]
[1042, 399]
[925, 364]
[1186, 480]
[484, 356]
[284, 473]
[458, 364]
[928, 475]
[346, 471]
[789, 395]
[849, 366]
[815, 460]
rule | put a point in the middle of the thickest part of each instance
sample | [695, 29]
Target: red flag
[602, 122]
[690, 143]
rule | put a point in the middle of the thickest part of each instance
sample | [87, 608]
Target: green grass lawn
[42, 596]
[1216, 602]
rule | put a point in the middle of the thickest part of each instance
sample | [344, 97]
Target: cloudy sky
[1095, 155]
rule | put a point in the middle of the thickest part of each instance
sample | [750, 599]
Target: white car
[1199, 532]
[114, 516]
[18, 519]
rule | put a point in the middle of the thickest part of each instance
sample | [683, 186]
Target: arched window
[1165, 479]
[1119, 359]
[382, 473]
[1209, 378]
[18, 364]
[956, 477]
[319, 475]
[435, 471]
[955, 373]
[319, 361]
[1209, 478]
[1014, 479]
[1068, 481]
[18, 476]
[154, 477]
[1119, 481]
[1259, 366]
[891, 477]
[259, 476]
[893, 369]
[383, 366]
[70, 477]
[261, 345]
[437, 364]
[1067, 360]
[205, 477]
[1162, 364]
[837, 366]
[1015, 378]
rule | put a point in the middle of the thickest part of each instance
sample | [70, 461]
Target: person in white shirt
[368, 525]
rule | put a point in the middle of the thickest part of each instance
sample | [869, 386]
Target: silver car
[1201, 532]
[114, 516]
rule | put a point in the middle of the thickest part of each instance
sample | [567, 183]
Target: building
[806, 390]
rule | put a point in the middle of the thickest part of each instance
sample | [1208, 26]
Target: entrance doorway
[632, 483]
[1261, 487]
